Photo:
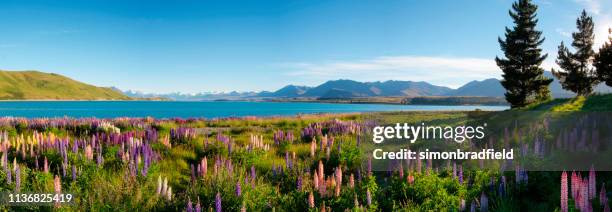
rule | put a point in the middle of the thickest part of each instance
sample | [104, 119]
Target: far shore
[391, 100]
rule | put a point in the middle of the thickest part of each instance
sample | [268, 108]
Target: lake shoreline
[205, 109]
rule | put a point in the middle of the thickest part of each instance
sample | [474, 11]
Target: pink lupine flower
[352, 181]
[401, 170]
[410, 179]
[46, 166]
[313, 147]
[321, 170]
[337, 190]
[243, 208]
[169, 194]
[57, 185]
[204, 165]
[368, 197]
[564, 192]
[339, 175]
[311, 203]
[88, 152]
[315, 180]
[574, 184]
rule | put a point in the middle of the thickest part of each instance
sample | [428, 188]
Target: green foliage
[578, 76]
[38, 85]
[523, 77]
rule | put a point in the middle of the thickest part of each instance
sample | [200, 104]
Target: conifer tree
[603, 61]
[578, 75]
[523, 78]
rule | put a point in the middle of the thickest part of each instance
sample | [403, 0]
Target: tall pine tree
[603, 61]
[523, 78]
[578, 75]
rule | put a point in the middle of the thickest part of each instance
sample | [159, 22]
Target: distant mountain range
[338, 89]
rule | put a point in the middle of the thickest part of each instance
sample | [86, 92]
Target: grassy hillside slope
[35, 85]
[598, 102]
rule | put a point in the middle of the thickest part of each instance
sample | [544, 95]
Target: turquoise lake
[171, 109]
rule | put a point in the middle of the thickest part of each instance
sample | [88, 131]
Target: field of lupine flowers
[303, 163]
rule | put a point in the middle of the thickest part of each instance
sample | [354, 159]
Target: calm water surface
[169, 109]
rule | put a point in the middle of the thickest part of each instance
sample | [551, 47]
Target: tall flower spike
[204, 165]
[46, 166]
[198, 207]
[484, 202]
[57, 185]
[218, 207]
[564, 192]
[238, 189]
[169, 194]
[189, 207]
[164, 190]
[17, 179]
[311, 203]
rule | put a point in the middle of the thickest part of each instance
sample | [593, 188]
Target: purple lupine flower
[218, 202]
[299, 183]
[9, 179]
[484, 202]
[238, 189]
[74, 174]
[460, 174]
[473, 206]
[198, 206]
[368, 197]
[287, 160]
[189, 206]
[502, 186]
[253, 173]
[454, 170]
[17, 179]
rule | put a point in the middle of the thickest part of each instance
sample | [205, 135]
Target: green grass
[35, 85]
[598, 102]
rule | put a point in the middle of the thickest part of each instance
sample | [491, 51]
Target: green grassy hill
[598, 102]
[35, 85]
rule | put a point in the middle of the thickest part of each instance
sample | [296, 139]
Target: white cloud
[563, 32]
[593, 6]
[602, 24]
[448, 71]
[603, 21]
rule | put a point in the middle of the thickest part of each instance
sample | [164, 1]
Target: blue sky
[196, 46]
